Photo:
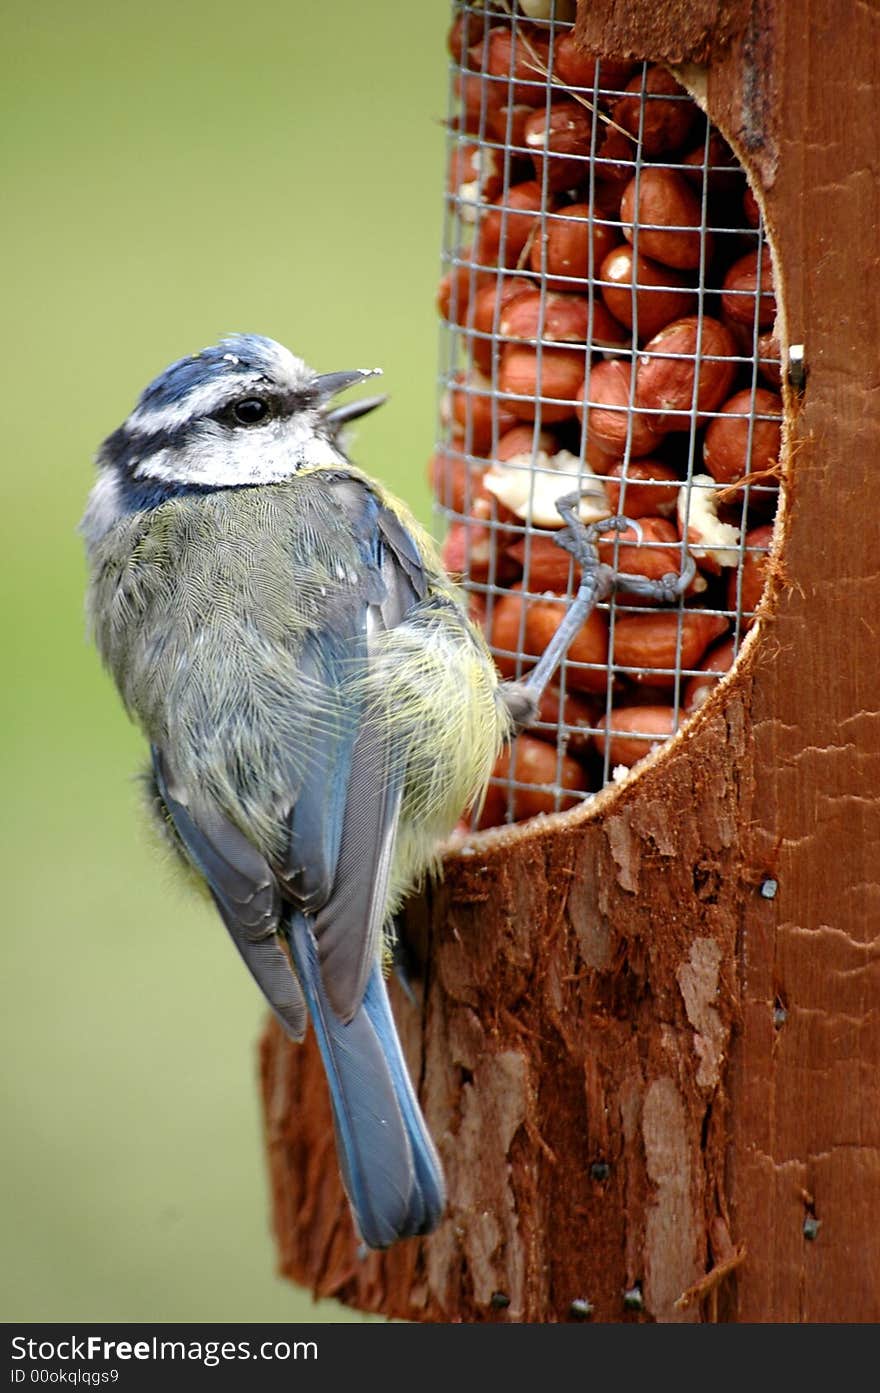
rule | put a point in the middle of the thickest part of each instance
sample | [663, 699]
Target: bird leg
[598, 581]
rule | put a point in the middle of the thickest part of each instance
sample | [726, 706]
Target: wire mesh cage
[608, 327]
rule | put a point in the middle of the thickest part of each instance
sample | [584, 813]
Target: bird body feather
[208, 656]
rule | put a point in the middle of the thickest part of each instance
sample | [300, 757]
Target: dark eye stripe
[129, 446]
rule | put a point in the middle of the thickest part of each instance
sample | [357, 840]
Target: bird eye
[251, 410]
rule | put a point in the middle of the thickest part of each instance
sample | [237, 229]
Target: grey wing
[348, 926]
[344, 821]
[344, 803]
[245, 891]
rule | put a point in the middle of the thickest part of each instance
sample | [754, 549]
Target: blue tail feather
[390, 1170]
[429, 1173]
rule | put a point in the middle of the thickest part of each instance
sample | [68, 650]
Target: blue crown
[234, 354]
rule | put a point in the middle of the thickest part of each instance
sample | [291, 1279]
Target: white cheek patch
[218, 457]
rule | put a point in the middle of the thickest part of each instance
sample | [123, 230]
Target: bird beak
[352, 410]
[330, 384]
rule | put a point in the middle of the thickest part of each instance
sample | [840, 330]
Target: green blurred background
[172, 172]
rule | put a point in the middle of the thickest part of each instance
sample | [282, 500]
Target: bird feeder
[646, 1034]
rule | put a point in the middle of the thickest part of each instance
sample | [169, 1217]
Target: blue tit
[318, 706]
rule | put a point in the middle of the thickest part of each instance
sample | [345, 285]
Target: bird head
[245, 411]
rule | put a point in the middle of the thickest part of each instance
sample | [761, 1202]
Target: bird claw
[597, 582]
[579, 539]
[663, 591]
